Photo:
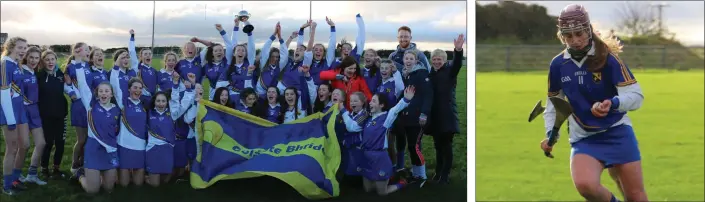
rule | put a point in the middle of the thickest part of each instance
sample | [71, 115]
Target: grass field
[510, 165]
[257, 189]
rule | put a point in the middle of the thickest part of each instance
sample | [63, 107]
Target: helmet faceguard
[574, 18]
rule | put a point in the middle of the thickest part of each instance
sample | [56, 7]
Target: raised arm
[330, 52]
[83, 88]
[228, 44]
[283, 54]
[360, 39]
[403, 103]
[457, 62]
[191, 113]
[264, 52]
[353, 125]
[251, 51]
[233, 36]
[134, 61]
[398, 83]
[115, 83]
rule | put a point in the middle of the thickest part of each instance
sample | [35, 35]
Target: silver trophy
[243, 15]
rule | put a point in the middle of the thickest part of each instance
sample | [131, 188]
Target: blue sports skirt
[79, 116]
[375, 165]
[96, 157]
[33, 118]
[180, 158]
[160, 159]
[131, 159]
[617, 145]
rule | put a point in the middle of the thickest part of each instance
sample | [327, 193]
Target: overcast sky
[685, 18]
[434, 23]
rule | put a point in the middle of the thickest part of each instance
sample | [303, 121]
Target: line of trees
[508, 22]
[161, 50]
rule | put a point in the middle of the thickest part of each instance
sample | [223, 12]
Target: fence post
[663, 57]
[507, 58]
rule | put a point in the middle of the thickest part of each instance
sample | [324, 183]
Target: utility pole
[660, 15]
[310, 10]
[205, 11]
[154, 8]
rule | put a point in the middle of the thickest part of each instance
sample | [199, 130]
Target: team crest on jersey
[389, 90]
[597, 77]
[197, 64]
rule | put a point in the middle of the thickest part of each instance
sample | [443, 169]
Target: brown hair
[140, 53]
[90, 58]
[116, 56]
[362, 98]
[405, 28]
[32, 49]
[603, 47]
[134, 80]
[10, 44]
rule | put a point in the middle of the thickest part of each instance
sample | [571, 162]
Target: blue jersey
[186, 66]
[149, 77]
[213, 72]
[353, 138]
[99, 76]
[133, 124]
[374, 133]
[236, 79]
[30, 86]
[161, 126]
[291, 76]
[583, 88]
[372, 80]
[273, 113]
[103, 122]
[164, 80]
[122, 77]
[71, 70]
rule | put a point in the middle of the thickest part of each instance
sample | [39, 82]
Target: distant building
[3, 37]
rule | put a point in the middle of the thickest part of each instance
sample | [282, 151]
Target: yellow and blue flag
[235, 145]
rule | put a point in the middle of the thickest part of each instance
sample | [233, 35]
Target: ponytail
[68, 61]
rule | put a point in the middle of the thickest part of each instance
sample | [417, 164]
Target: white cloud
[106, 24]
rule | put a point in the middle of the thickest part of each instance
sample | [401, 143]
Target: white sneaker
[22, 179]
[73, 170]
[34, 179]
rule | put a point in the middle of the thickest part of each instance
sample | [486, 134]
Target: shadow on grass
[253, 189]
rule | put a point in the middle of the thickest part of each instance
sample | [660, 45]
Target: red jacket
[354, 84]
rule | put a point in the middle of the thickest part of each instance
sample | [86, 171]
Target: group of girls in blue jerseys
[135, 122]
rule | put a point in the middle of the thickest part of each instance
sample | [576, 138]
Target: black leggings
[410, 137]
[54, 134]
[444, 153]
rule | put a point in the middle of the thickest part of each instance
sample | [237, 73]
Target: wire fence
[517, 58]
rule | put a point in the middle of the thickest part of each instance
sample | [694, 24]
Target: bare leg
[109, 179]
[138, 176]
[23, 145]
[124, 177]
[81, 134]
[11, 146]
[39, 144]
[632, 181]
[153, 180]
[90, 181]
[367, 185]
[615, 176]
[586, 172]
[383, 188]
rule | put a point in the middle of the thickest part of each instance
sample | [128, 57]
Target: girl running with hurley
[374, 162]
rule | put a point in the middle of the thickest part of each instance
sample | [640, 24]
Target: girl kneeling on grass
[161, 139]
[100, 157]
[374, 162]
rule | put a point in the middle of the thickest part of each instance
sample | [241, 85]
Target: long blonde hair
[10, 44]
[172, 53]
[73, 53]
[603, 47]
